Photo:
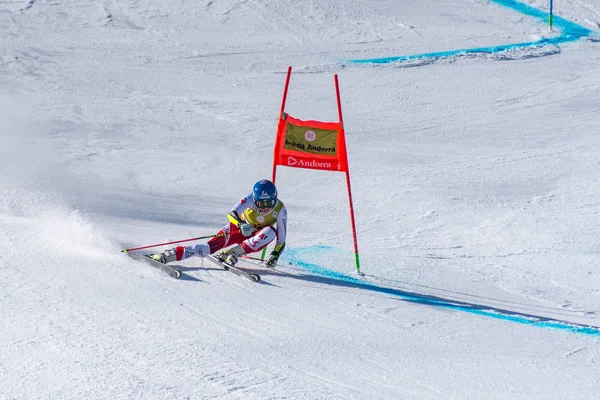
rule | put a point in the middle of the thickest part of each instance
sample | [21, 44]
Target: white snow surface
[475, 181]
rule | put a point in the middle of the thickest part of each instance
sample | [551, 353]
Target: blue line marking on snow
[567, 27]
[570, 32]
[333, 277]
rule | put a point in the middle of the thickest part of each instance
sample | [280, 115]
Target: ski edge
[173, 272]
[232, 269]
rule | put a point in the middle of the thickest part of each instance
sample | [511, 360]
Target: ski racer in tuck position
[254, 222]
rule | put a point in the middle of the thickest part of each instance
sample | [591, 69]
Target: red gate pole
[281, 112]
[277, 138]
[339, 106]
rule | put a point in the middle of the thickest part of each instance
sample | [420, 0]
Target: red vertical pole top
[285, 90]
[339, 102]
[277, 138]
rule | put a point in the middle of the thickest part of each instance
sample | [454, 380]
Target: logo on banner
[308, 164]
[310, 136]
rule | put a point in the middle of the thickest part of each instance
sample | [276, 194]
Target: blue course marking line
[294, 256]
[570, 32]
[567, 27]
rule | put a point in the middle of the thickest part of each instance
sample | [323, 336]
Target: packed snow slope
[475, 183]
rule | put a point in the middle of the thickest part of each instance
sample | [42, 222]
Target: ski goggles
[265, 203]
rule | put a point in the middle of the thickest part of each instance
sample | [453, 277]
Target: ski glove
[272, 261]
[245, 228]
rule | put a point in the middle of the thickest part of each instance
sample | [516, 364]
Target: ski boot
[231, 256]
[165, 257]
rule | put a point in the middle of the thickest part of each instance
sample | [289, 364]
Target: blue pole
[550, 16]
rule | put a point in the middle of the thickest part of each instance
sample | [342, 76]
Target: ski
[173, 272]
[235, 270]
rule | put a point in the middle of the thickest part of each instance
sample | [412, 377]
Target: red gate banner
[310, 144]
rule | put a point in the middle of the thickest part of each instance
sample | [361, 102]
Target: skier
[254, 222]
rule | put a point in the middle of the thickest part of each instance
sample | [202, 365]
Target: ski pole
[164, 244]
[253, 258]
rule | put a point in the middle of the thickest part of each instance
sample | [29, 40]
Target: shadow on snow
[321, 275]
